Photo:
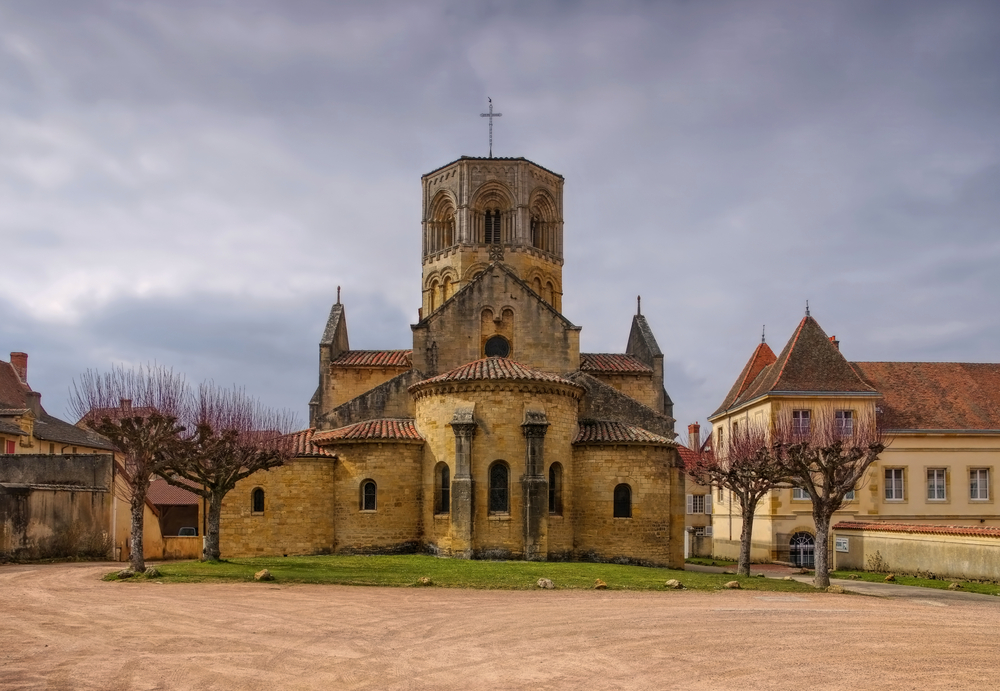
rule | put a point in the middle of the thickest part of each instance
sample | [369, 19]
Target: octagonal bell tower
[477, 210]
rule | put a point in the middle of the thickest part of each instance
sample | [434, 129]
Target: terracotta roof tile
[374, 358]
[936, 395]
[613, 363]
[608, 432]
[495, 368]
[302, 444]
[971, 530]
[12, 389]
[162, 493]
[401, 430]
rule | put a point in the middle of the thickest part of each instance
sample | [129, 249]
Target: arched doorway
[802, 550]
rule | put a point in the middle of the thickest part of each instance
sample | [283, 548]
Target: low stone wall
[176, 547]
[760, 552]
[949, 551]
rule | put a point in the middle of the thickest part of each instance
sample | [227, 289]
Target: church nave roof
[609, 432]
[613, 363]
[400, 430]
[373, 358]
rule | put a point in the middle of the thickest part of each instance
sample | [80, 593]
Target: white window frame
[937, 479]
[799, 494]
[979, 484]
[801, 422]
[844, 421]
[898, 475]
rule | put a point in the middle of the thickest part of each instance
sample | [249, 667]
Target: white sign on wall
[842, 544]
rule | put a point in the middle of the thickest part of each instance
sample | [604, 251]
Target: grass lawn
[940, 584]
[406, 570]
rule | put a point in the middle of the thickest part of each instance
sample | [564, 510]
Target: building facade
[493, 435]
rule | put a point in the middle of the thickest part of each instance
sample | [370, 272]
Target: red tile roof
[401, 430]
[495, 368]
[613, 363]
[608, 432]
[162, 493]
[374, 358]
[936, 395]
[971, 530]
[809, 362]
[761, 358]
[302, 444]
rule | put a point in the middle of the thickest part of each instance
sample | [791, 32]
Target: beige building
[943, 426]
[493, 435]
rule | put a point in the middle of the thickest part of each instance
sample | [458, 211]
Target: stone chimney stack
[835, 342]
[19, 361]
[694, 436]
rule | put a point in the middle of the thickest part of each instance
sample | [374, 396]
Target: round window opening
[497, 346]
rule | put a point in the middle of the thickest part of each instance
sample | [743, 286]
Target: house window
[443, 484]
[800, 422]
[844, 421]
[979, 483]
[800, 494]
[492, 222]
[499, 488]
[937, 488]
[719, 493]
[623, 501]
[555, 489]
[368, 495]
[696, 503]
[257, 500]
[849, 495]
[894, 484]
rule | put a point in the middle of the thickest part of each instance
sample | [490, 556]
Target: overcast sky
[187, 183]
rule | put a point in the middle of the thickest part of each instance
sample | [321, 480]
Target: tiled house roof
[761, 358]
[936, 395]
[607, 432]
[613, 363]
[370, 430]
[495, 368]
[302, 444]
[971, 530]
[374, 358]
[810, 362]
[162, 493]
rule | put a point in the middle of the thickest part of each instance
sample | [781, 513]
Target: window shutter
[690, 503]
[708, 531]
[708, 503]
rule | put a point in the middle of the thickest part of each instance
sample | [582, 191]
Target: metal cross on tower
[490, 115]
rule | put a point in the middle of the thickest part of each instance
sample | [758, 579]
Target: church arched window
[499, 476]
[368, 495]
[442, 488]
[536, 232]
[257, 500]
[555, 489]
[492, 227]
[623, 501]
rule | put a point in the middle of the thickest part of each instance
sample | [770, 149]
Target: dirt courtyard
[63, 628]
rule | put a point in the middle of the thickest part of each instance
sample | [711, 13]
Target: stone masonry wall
[298, 511]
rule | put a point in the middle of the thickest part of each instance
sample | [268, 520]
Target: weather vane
[490, 115]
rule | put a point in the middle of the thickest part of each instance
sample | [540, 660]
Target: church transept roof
[613, 363]
[374, 358]
[400, 430]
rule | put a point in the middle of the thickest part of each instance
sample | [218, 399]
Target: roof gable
[762, 357]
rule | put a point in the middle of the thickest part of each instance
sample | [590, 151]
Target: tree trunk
[138, 505]
[212, 552]
[822, 579]
[746, 535]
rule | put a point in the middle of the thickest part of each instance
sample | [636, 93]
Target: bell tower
[480, 210]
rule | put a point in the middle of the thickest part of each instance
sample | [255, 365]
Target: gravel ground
[62, 628]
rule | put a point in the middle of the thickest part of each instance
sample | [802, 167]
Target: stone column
[462, 489]
[535, 487]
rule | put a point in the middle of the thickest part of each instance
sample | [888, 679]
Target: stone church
[493, 436]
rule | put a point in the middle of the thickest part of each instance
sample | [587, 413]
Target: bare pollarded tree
[827, 457]
[139, 411]
[747, 465]
[234, 436]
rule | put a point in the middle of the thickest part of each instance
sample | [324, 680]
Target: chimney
[694, 436]
[19, 361]
[835, 342]
[33, 401]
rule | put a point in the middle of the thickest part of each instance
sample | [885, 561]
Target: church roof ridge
[494, 158]
[611, 432]
[495, 368]
[399, 429]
